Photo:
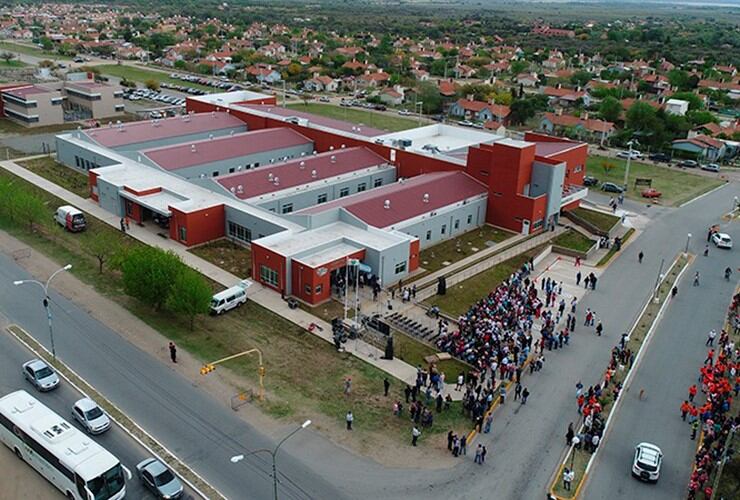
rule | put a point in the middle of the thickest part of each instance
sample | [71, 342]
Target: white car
[41, 375]
[722, 240]
[91, 416]
[634, 155]
[647, 462]
[404, 112]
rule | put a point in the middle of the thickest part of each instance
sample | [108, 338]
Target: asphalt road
[197, 428]
[669, 367]
[128, 451]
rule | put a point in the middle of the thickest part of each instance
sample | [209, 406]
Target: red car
[651, 193]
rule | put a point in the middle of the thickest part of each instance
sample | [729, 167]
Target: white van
[230, 298]
[70, 218]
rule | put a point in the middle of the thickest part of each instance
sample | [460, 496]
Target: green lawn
[433, 259]
[31, 51]
[57, 173]
[677, 186]
[305, 374]
[383, 121]
[574, 241]
[141, 75]
[603, 221]
[461, 296]
[413, 352]
[14, 63]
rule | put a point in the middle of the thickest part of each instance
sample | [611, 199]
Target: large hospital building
[307, 193]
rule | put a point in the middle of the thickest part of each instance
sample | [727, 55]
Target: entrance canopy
[158, 202]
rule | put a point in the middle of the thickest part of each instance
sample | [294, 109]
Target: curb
[124, 428]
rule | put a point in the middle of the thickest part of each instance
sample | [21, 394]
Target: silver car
[159, 479]
[91, 416]
[40, 374]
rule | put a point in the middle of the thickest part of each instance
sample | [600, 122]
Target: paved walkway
[260, 295]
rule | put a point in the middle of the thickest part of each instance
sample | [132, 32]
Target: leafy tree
[526, 108]
[695, 102]
[503, 97]
[610, 109]
[190, 295]
[7, 56]
[102, 245]
[152, 84]
[607, 166]
[180, 64]
[46, 43]
[148, 274]
[28, 206]
[518, 67]
[428, 93]
[581, 77]
[46, 64]
[641, 116]
[700, 117]
[679, 78]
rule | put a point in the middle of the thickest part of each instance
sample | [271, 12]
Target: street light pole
[273, 453]
[627, 168]
[47, 301]
[688, 240]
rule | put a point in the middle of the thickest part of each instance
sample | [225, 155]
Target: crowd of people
[719, 382]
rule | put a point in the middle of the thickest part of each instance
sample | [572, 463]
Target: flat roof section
[281, 113]
[547, 149]
[406, 199]
[194, 153]
[123, 134]
[321, 257]
[304, 170]
[22, 92]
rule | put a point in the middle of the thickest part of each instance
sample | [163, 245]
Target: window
[444, 229]
[344, 192]
[183, 233]
[307, 290]
[457, 223]
[287, 208]
[401, 267]
[470, 218]
[483, 173]
[377, 183]
[429, 235]
[318, 289]
[577, 169]
[268, 276]
[232, 170]
[215, 173]
[239, 232]
[129, 207]
[321, 198]
[361, 187]
[77, 161]
[119, 107]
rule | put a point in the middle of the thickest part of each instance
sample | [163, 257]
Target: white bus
[66, 457]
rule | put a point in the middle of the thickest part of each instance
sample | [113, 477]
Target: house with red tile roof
[701, 147]
[480, 111]
[376, 79]
[582, 127]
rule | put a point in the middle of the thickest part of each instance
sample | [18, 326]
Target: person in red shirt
[710, 357]
[692, 392]
[685, 407]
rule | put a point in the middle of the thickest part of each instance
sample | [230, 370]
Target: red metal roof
[353, 128]
[183, 155]
[299, 171]
[22, 92]
[407, 198]
[144, 131]
[547, 149]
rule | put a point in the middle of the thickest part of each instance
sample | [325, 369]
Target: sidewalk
[260, 295]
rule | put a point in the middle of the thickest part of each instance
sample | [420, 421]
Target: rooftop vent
[425, 198]
[343, 146]
[331, 148]
[401, 180]
[110, 124]
[138, 158]
[276, 181]
[210, 136]
[314, 174]
[192, 148]
[231, 132]
[333, 159]
[232, 189]
[238, 168]
[302, 165]
[240, 189]
[387, 204]
[269, 176]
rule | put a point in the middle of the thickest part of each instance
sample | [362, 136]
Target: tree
[102, 245]
[503, 97]
[641, 116]
[518, 67]
[701, 117]
[25, 204]
[607, 166]
[46, 64]
[610, 109]
[46, 43]
[180, 64]
[581, 77]
[152, 84]
[190, 295]
[679, 78]
[7, 56]
[148, 274]
[428, 93]
[695, 102]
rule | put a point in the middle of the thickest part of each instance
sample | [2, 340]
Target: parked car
[78, 59]
[91, 416]
[627, 154]
[688, 164]
[159, 479]
[41, 375]
[230, 298]
[651, 193]
[70, 218]
[590, 181]
[660, 157]
[710, 167]
[647, 462]
[465, 123]
[404, 112]
[610, 187]
[722, 240]
[323, 98]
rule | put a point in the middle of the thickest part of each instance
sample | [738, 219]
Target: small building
[676, 107]
[701, 147]
[391, 97]
[34, 105]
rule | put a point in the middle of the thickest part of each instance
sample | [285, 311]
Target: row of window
[82, 95]
[85, 164]
[269, 276]
[443, 229]
[18, 101]
[318, 290]
[42, 452]
[239, 232]
[21, 116]
[287, 208]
